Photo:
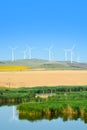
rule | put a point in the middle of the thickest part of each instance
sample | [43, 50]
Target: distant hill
[44, 64]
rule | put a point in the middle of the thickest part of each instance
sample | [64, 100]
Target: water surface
[9, 120]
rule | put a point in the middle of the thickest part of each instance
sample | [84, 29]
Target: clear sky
[41, 24]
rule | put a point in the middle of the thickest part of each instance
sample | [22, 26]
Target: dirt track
[42, 78]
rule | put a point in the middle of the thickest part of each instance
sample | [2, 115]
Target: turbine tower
[71, 53]
[65, 54]
[24, 54]
[50, 53]
[12, 54]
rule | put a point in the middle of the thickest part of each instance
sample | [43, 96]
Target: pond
[9, 120]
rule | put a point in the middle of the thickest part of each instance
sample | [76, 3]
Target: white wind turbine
[12, 53]
[50, 53]
[71, 53]
[66, 51]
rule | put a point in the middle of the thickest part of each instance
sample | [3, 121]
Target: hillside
[44, 64]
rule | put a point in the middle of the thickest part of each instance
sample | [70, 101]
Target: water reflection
[14, 114]
[67, 113]
[6, 113]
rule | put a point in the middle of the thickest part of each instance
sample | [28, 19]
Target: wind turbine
[24, 53]
[65, 54]
[71, 53]
[12, 53]
[50, 53]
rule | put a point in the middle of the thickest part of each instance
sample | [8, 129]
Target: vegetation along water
[67, 102]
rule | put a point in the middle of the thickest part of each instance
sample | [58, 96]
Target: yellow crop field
[13, 68]
[43, 78]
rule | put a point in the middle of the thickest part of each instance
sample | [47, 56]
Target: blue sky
[41, 24]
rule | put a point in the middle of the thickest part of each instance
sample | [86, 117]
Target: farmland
[31, 78]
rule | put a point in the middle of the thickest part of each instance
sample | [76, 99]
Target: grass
[44, 64]
[16, 95]
[60, 91]
[69, 109]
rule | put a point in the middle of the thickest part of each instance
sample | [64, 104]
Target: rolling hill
[44, 64]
